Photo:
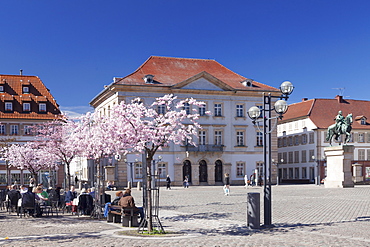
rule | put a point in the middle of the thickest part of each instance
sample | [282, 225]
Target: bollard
[138, 185]
[129, 185]
[253, 210]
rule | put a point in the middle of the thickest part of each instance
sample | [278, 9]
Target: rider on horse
[339, 121]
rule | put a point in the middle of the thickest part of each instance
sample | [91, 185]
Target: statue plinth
[338, 162]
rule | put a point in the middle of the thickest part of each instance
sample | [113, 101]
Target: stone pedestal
[339, 159]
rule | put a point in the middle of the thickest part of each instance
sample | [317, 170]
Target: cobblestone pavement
[303, 215]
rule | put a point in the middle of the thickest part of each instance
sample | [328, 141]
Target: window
[304, 172]
[1, 89]
[161, 109]
[368, 154]
[8, 106]
[290, 140]
[162, 171]
[259, 167]
[26, 107]
[361, 137]
[290, 157]
[239, 110]
[186, 107]
[296, 140]
[284, 142]
[15, 177]
[240, 138]
[259, 139]
[296, 172]
[202, 137]
[363, 121]
[42, 108]
[25, 89]
[304, 139]
[218, 110]
[14, 129]
[311, 136]
[240, 169]
[138, 170]
[202, 110]
[304, 156]
[3, 178]
[285, 158]
[296, 156]
[2, 129]
[279, 142]
[312, 154]
[291, 173]
[361, 154]
[218, 137]
[27, 130]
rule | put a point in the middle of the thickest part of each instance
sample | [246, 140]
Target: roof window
[247, 83]
[148, 79]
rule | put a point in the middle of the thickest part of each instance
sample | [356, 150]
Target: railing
[205, 148]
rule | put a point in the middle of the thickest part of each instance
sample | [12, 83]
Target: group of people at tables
[29, 197]
[71, 198]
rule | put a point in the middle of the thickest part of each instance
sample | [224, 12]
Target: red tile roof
[169, 71]
[323, 111]
[13, 92]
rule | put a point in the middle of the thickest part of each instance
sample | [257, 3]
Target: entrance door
[203, 176]
[218, 171]
[186, 170]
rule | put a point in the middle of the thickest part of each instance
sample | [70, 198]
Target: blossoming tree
[61, 138]
[31, 157]
[165, 121]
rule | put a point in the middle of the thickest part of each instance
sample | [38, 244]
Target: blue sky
[77, 47]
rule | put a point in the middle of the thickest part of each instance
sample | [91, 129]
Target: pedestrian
[168, 182]
[186, 182]
[246, 181]
[227, 184]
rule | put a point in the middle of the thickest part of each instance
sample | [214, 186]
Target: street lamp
[318, 177]
[280, 106]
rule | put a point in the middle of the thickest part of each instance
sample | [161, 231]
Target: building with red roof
[24, 101]
[228, 143]
[302, 137]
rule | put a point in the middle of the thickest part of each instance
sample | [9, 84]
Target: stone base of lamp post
[339, 159]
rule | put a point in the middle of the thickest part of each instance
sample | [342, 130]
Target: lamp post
[318, 177]
[254, 113]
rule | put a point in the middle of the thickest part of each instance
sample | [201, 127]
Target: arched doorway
[203, 176]
[186, 170]
[218, 171]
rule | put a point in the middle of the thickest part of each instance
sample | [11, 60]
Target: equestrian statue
[342, 126]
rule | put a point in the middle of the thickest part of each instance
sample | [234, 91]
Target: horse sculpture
[344, 129]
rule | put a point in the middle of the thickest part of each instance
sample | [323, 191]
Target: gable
[202, 84]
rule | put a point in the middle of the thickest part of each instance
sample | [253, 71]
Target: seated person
[119, 195]
[110, 185]
[127, 201]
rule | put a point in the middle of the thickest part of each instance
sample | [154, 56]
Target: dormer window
[1, 88]
[25, 89]
[8, 106]
[247, 83]
[148, 79]
[26, 107]
[42, 107]
[363, 121]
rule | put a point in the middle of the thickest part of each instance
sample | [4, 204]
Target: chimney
[304, 99]
[339, 98]
[21, 71]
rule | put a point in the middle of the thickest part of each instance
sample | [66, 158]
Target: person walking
[227, 184]
[186, 182]
[168, 182]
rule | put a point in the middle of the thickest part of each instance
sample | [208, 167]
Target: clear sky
[76, 47]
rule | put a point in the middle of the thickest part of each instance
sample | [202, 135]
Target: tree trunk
[68, 174]
[149, 192]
